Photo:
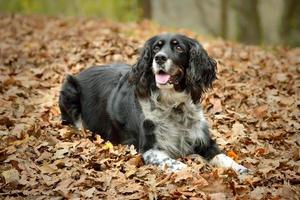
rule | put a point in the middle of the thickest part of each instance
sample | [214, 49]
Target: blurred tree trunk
[224, 18]
[248, 21]
[290, 23]
[206, 21]
[146, 8]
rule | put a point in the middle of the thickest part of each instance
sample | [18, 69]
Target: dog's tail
[69, 101]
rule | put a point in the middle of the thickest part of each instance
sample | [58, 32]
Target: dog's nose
[160, 59]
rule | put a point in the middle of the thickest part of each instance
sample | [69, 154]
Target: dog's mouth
[162, 77]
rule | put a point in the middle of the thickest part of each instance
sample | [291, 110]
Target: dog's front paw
[240, 169]
[173, 165]
[221, 160]
[177, 166]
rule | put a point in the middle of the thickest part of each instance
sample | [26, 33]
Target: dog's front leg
[162, 159]
[211, 152]
[221, 160]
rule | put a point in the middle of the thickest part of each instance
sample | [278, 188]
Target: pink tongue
[162, 78]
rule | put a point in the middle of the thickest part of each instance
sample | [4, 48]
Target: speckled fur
[179, 122]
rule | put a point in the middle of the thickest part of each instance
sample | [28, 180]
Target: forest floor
[253, 110]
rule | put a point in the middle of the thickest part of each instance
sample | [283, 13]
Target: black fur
[201, 71]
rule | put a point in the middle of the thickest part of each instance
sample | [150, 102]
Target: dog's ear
[141, 73]
[201, 71]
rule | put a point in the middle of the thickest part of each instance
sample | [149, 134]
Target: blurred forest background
[264, 22]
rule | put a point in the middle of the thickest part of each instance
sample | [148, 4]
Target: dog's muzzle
[160, 58]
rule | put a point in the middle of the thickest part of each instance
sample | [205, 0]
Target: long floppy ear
[141, 74]
[201, 71]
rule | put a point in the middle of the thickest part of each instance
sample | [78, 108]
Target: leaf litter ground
[253, 111]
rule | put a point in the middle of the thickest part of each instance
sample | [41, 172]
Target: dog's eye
[156, 48]
[179, 49]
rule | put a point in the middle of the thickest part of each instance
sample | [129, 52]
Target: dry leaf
[238, 129]
[232, 155]
[183, 175]
[217, 105]
[11, 175]
[89, 193]
[261, 111]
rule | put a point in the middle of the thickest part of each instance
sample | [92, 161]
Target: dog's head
[173, 61]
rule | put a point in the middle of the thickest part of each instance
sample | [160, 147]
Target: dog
[153, 105]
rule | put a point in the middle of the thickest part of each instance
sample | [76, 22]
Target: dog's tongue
[162, 78]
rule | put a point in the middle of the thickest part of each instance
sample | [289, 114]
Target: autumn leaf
[183, 175]
[48, 169]
[261, 111]
[232, 155]
[108, 146]
[238, 129]
[89, 193]
[11, 175]
[217, 105]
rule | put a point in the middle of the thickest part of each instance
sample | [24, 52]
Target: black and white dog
[153, 105]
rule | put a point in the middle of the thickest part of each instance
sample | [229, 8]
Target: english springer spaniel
[153, 105]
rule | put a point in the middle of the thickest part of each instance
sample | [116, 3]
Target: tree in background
[290, 23]
[248, 21]
[146, 9]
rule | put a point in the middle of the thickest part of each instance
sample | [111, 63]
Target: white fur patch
[78, 123]
[221, 160]
[168, 65]
[161, 158]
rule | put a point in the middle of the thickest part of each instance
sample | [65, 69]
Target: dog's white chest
[178, 125]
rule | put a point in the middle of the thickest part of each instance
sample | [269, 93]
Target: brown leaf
[281, 77]
[261, 111]
[296, 154]
[5, 121]
[60, 153]
[44, 156]
[136, 161]
[258, 193]
[63, 187]
[218, 196]
[89, 193]
[11, 175]
[217, 105]
[48, 169]
[238, 129]
[183, 175]
[126, 188]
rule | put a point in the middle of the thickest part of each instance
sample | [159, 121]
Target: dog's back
[85, 97]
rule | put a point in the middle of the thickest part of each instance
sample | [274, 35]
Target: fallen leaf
[60, 153]
[217, 105]
[232, 155]
[218, 196]
[108, 146]
[5, 121]
[11, 175]
[48, 169]
[183, 175]
[89, 193]
[261, 111]
[281, 77]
